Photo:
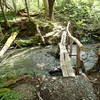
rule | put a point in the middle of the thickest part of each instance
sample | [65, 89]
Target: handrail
[73, 38]
[65, 61]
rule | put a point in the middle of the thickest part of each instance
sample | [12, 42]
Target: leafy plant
[7, 94]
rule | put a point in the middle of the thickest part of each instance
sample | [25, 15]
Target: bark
[46, 7]
[51, 4]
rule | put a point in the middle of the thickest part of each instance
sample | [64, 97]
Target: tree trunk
[51, 4]
[14, 5]
[38, 3]
[2, 9]
[27, 9]
[46, 7]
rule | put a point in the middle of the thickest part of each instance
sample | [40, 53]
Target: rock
[28, 91]
[58, 88]
[32, 61]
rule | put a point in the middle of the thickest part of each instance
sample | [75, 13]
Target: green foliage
[82, 16]
[78, 14]
[10, 16]
[7, 94]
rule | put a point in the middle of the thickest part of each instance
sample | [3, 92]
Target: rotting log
[8, 43]
[65, 61]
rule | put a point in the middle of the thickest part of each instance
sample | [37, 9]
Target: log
[49, 34]
[8, 43]
[56, 32]
[73, 38]
[65, 61]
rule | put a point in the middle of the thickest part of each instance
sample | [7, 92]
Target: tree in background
[3, 13]
[14, 5]
[27, 9]
[51, 5]
[48, 6]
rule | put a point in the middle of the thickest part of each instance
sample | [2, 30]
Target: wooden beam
[65, 61]
[73, 38]
[8, 43]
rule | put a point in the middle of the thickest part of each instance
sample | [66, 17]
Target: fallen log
[56, 32]
[8, 43]
[65, 62]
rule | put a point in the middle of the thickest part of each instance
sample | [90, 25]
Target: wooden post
[73, 38]
[71, 43]
[78, 59]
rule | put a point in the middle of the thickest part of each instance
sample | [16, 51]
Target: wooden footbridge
[65, 46]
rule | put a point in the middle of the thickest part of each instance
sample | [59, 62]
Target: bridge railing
[65, 46]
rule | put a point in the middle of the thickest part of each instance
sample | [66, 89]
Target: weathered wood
[71, 43]
[8, 43]
[56, 32]
[65, 62]
[73, 38]
[78, 59]
[99, 52]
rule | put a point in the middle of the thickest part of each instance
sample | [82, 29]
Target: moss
[29, 42]
[24, 43]
[37, 40]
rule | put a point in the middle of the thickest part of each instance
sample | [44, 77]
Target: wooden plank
[8, 43]
[65, 62]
